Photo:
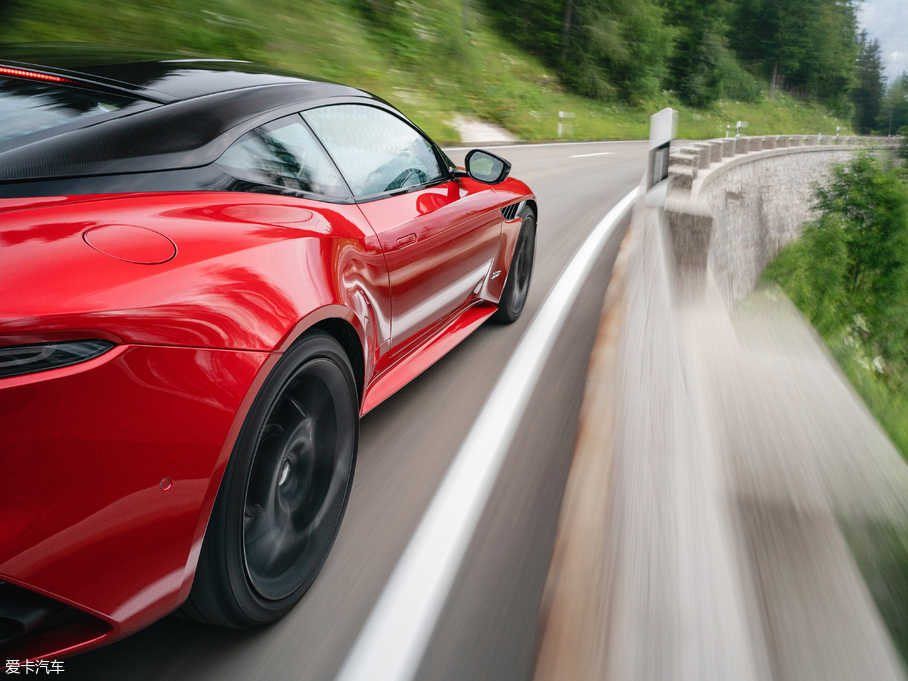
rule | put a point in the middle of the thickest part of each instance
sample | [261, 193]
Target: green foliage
[872, 205]
[849, 272]
[629, 49]
[416, 31]
[810, 46]
[737, 82]
[848, 276]
[894, 107]
[624, 58]
[431, 58]
[602, 48]
[812, 272]
[616, 46]
[868, 92]
[699, 49]
[535, 25]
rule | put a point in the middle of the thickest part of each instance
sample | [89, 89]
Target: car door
[439, 235]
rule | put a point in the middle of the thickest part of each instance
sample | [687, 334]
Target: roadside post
[565, 128]
[662, 128]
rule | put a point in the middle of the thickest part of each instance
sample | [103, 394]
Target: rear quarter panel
[83, 515]
[248, 267]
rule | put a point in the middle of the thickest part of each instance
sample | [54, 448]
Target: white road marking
[543, 144]
[394, 637]
[601, 153]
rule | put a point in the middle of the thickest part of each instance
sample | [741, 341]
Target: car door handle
[405, 241]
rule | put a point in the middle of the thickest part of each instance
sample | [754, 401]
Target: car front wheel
[517, 285]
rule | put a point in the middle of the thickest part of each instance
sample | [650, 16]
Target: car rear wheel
[517, 285]
[284, 492]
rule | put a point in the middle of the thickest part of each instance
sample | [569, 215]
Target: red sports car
[209, 271]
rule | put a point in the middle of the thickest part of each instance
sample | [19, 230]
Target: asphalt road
[406, 446]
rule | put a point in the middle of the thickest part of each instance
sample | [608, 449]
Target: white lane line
[394, 637]
[543, 144]
[601, 153]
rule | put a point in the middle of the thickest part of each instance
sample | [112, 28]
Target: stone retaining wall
[744, 199]
[759, 207]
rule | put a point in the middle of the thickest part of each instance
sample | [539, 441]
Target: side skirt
[426, 354]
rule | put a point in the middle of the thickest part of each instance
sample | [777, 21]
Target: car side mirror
[485, 167]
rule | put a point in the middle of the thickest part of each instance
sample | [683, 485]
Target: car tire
[284, 492]
[517, 284]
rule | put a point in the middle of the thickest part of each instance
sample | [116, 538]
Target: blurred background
[800, 66]
[592, 70]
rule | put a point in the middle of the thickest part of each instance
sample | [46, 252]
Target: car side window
[376, 151]
[284, 153]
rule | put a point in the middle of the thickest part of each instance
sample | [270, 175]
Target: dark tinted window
[376, 151]
[28, 106]
[284, 154]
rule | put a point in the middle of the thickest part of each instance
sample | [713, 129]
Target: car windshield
[376, 152]
[28, 106]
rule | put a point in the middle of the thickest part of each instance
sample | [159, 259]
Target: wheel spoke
[297, 487]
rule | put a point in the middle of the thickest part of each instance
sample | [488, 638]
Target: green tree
[601, 48]
[696, 64]
[616, 46]
[894, 107]
[868, 91]
[806, 46]
[872, 205]
[535, 25]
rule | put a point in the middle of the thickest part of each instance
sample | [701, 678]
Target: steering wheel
[408, 178]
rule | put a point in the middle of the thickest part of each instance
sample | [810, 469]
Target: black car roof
[195, 107]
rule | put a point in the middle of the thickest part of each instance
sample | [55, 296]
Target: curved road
[406, 446]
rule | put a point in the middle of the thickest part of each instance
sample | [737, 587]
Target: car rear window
[284, 154]
[29, 106]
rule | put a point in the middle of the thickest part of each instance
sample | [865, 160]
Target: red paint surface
[84, 517]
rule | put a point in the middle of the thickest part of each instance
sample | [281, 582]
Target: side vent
[510, 212]
[33, 626]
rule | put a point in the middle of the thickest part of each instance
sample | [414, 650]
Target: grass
[889, 405]
[431, 67]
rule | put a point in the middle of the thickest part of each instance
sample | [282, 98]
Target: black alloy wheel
[517, 285]
[284, 492]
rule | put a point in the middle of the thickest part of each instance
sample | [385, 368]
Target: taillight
[28, 359]
[19, 73]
